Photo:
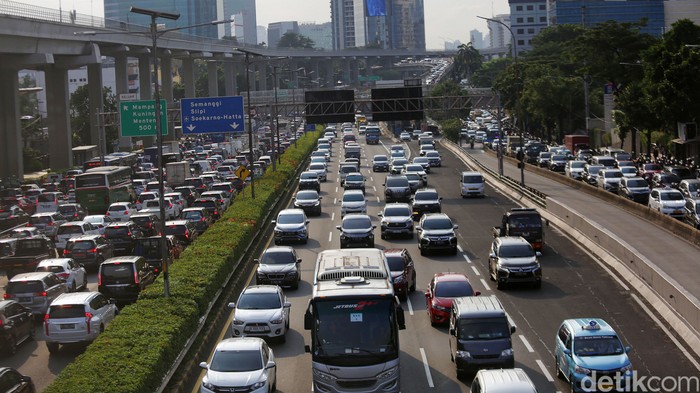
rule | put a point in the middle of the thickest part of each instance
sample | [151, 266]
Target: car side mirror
[232, 305]
[337, 227]
[380, 214]
[204, 365]
[455, 226]
[270, 364]
[419, 229]
[512, 329]
[538, 254]
[452, 332]
[273, 222]
[287, 305]
[112, 300]
[298, 260]
[628, 349]
[307, 349]
[477, 293]
[307, 222]
[567, 351]
[374, 227]
[256, 260]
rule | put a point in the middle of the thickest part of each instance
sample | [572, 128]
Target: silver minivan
[35, 290]
[471, 183]
[513, 380]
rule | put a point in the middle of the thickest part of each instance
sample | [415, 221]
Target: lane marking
[485, 284]
[475, 270]
[466, 258]
[544, 370]
[460, 248]
[427, 368]
[330, 236]
[332, 216]
[410, 305]
[371, 178]
[666, 330]
[526, 343]
[378, 201]
[374, 188]
[336, 189]
[335, 201]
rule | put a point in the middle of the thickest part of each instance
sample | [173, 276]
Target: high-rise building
[675, 10]
[262, 34]
[588, 13]
[499, 36]
[527, 18]
[477, 39]
[276, 30]
[320, 34]
[407, 26]
[191, 12]
[244, 20]
[347, 23]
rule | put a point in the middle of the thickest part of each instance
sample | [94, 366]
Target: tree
[467, 61]
[294, 40]
[448, 88]
[80, 116]
[489, 71]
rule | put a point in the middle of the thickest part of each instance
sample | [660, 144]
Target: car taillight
[203, 219]
[93, 250]
[63, 275]
[107, 214]
[187, 235]
[128, 234]
[99, 280]
[126, 212]
[28, 225]
[8, 296]
[46, 323]
[51, 224]
[42, 294]
[75, 215]
[216, 212]
[66, 252]
[150, 225]
[88, 317]
[136, 277]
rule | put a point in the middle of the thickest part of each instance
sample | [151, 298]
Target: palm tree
[467, 60]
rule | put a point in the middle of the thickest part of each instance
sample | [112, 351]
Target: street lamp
[514, 46]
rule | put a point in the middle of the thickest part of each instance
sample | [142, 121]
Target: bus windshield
[355, 332]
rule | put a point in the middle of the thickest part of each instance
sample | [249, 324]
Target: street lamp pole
[521, 154]
[277, 121]
[250, 124]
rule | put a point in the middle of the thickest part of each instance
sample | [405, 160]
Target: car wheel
[305, 241]
[500, 284]
[11, 345]
[73, 287]
[85, 282]
[52, 347]
[383, 236]
[412, 288]
[454, 250]
[557, 371]
[423, 252]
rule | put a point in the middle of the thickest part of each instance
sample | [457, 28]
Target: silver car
[261, 311]
[240, 365]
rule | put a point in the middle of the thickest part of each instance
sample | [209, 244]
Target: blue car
[590, 356]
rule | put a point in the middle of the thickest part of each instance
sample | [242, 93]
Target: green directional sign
[138, 118]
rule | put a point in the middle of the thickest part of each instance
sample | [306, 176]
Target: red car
[403, 273]
[441, 290]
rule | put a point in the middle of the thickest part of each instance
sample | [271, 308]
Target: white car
[73, 229]
[353, 201]
[405, 136]
[240, 364]
[574, 169]
[417, 169]
[178, 198]
[77, 318]
[667, 201]
[67, 269]
[261, 311]
[321, 169]
[153, 206]
[220, 196]
[121, 211]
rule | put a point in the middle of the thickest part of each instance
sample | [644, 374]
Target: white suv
[121, 211]
[76, 318]
[353, 202]
[69, 270]
[261, 311]
[667, 201]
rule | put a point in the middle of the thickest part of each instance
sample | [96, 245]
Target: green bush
[138, 348]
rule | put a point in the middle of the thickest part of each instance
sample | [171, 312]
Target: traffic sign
[242, 172]
[138, 118]
[212, 114]
[128, 97]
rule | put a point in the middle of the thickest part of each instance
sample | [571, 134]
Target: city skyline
[445, 20]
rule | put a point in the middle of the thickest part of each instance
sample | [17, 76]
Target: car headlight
[581, 370]
[388, 373]
[399, 279]
[237, 322]
[208, 385]
[464, 354]
[441, 308]
[506, 353]
[324, 376]
[626, 368]
[277, 320]
[258, 385]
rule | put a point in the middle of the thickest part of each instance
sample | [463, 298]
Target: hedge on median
[138, 348]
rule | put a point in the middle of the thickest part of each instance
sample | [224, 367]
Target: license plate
[519, 274]
[276, 282]
[68, 326]
[24, 299]
[79, 255]
[257, 328]
[676, 212]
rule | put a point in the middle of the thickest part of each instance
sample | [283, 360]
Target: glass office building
[591, 12]
[191, 12]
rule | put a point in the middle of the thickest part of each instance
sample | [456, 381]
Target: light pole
[514, 46]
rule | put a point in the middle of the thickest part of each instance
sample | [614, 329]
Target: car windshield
[357, 223]
[397, 182]
[67, 311]
[347, 169]
[353, 197]
[693, 186]
[117, 231]
[413, 176]
[651, 167]
[117, 270]
[671, 196]
[559, 158]
[351, 178]
[290, 218]
[525, 221]
[613, 175]
[307, 195]
[317, 166]
[51, 268]
[597, 346]
[426, 196]
[628, 169]
[80, 245]
[258, 301]
[516, 251]
[399, 162]
[637, 183]
[593, 169]
[453, 289]
[277, 258]
[437, 223]
[397, 211]
[577, 164]
[70, 229]
[420, 160]
[483, 328]
[233, 361]
[67, 209]
[380, 158]
[192, 215]
[40, 220]
[545, 155]
[432, 154]
[396, 263]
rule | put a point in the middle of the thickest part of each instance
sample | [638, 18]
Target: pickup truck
[523, 222]
[29, 251]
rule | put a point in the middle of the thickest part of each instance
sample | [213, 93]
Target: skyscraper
[498, 35]
[477, 39]
[527, 18]
[276, 30]
[348, 24]
[191, 12]
[320, 34]
[591, 12]
[244, 25]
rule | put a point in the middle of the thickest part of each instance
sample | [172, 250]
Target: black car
[148, 222]
[199, 217]
[380, 163]
[426, 200]
[665, 179]
[436, 233]
[635, 189]
[309, 181]
[123, 278]
[279, 266]
[309, 201]
[557, 163]
[211, 204]
[681, 171]
[17, 325]
[189, 192]
[692, 212]
[183, 230]
[89, 250]
[356, 230]
[397, 188]
[123, 236]
[12, 381]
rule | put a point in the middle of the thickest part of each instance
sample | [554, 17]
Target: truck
[29, 251]
[177, 172]
[372, 135]
[513, 143]
[525, 222]
[577, 142]
[150, 154]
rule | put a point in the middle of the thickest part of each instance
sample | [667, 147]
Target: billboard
[375, 7]
[397, 103]
[329, 106]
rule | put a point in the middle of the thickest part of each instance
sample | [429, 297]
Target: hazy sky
[445, 20]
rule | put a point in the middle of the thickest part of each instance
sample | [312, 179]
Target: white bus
[354, 318]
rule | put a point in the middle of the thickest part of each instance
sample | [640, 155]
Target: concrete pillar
[347, 77]
[317, 74]
[58, 108]
[213, 78]
[146, 89]
[229, 79]
[262, 76]
[11, 163]
[96, 100]
[122, 82]
[166, 90]
[188, 77]
[294, 65]
[330, 73]
[355, 73]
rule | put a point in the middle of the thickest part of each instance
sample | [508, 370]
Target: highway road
[574, 285]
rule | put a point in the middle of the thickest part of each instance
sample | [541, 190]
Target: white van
[48, 202]
[471, 183]
[202, 166]
[512, 380]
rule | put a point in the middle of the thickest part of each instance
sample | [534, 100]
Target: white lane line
[460, 248]
[667, 331]
[374, 188]
[485, 284]
[336, 189]
[378, 201]
[466, 258]
[335, 201]
[526, 343]
[544, 370]
[410, 305]
[427, 368]
[332, 216]
[330, 236]
[475, 270]
[371, 179]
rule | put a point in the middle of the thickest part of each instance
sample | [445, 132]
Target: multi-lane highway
[574, 285]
